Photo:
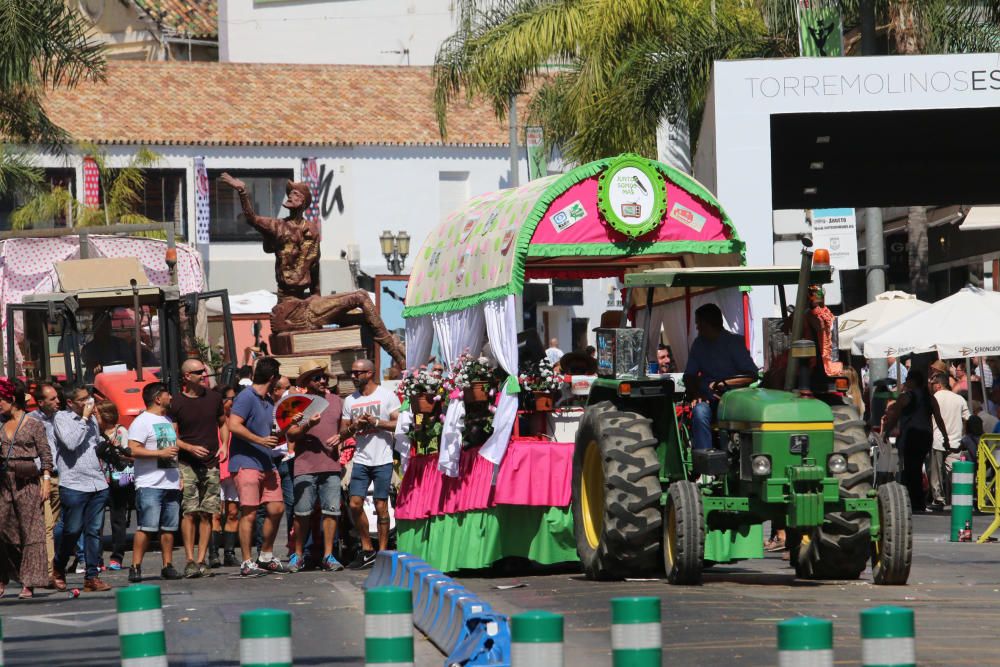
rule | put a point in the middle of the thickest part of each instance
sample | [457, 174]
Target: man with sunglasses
[198, 415]
[370, 416]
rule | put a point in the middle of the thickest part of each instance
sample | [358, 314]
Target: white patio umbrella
[964, 325]
[887, 308]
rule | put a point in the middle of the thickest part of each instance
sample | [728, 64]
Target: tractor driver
[718, 360]
[105, 348]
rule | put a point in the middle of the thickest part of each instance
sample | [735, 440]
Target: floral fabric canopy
[601, 219]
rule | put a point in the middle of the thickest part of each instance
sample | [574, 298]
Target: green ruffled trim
[637, 248]
[564, 183]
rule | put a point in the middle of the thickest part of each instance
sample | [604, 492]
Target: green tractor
[797, 456]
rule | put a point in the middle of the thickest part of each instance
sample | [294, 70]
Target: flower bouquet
[539, 383]
[475, 378]
[426, 391]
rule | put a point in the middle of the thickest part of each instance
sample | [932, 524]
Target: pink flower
[441, 417]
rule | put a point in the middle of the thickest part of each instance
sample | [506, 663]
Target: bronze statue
[294, 241]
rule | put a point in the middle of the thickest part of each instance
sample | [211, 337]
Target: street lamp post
[395, 248]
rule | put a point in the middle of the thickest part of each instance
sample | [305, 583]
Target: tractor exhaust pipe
[799, 316]
[137, 315]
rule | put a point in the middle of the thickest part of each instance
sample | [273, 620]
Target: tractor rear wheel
[892, 552]
[616, 493]
[839, 549]
[684, 534]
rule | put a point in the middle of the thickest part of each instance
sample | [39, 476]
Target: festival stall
[487, 475]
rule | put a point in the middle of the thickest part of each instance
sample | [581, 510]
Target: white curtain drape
[673, 317]
[501, 327]
[419, 340]
[457, 332]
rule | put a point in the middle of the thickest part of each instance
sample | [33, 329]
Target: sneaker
[213, 560]
[296, 564]
[95, 585]
[363, 561]
[250, 569]
[191, 570]
[78, 567]
[229, 559]
[272, 566]
[115, 565]
[331, 564]
[135, 574]
[203, 570]
[170, 572]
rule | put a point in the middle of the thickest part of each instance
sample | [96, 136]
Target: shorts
[201, 490]
[228, 490]
[324, 484]
[362, 476]
[159, 510]
[256, 487]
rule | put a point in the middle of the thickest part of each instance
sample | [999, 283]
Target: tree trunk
[904, 25]
[916, 227]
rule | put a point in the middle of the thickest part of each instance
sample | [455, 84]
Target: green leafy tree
[44, 44]
[121, 190]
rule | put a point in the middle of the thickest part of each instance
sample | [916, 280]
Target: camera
[111, 454]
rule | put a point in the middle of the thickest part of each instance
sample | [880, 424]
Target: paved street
[955, 589]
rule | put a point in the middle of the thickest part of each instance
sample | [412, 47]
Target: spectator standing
[121, 480]
[898, 371]
[250, 461]
[553, 353]
[157, 480]
[83, 489]
[947, 436]
[284, 462]
[47, 399]
[915, 410]
[197, 416]
[317, 468]
[231, 499]
[23, 490]
[370, 414]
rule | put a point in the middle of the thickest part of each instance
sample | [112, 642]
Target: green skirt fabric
[477, 539]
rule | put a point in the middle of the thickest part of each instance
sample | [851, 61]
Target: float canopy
[603, 219]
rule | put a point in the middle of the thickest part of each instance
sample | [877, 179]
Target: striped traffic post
[635, 632]
[266, 638]
[805, 642]
[961, 497]
[388, 627]
[887, 637]
[140, 627]
[536, 640]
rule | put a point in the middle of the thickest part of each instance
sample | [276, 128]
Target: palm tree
[121, 191]
[44, 44]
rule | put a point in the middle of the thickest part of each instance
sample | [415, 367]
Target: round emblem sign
[632, 196]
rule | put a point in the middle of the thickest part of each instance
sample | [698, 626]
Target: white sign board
[836, 229]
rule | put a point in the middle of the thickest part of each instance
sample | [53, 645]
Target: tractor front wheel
[684, 534]
[616, 493]
[892, 552]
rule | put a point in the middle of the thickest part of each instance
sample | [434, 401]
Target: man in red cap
[293, 240]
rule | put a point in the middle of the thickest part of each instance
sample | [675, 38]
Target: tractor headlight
[761, 466]
[837, 464]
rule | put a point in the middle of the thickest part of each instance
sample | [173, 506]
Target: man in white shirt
[153, 442]
[946, 447]
[553, 354]
[369, 416]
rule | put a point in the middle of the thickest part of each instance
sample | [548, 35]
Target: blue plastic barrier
[386, 564]
[460, 623]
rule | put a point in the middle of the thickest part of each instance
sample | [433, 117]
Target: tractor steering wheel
[722, 386]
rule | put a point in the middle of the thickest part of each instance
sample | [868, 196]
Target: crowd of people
[208, 462]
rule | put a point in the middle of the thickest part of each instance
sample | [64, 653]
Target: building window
[162, 198]
[267, 191]
[63, 178]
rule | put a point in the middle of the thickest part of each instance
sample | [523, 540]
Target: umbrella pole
[982, 383]
[968, 377]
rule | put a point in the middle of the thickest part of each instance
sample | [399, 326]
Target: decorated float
[488, 462]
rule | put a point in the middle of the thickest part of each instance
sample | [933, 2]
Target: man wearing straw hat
[317, 468]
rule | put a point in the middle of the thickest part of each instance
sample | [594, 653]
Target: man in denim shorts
[157, 481]
[370, 414]
[317, 468]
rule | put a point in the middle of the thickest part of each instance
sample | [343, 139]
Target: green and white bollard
[266, 638]
[1, 642]
[388, 627]
[961, 497]
[536, 640]
[636, 639]
[887, 637]
[140, 627]
[805, 642]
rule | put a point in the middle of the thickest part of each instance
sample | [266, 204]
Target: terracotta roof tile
[241, 104]
[188, 18]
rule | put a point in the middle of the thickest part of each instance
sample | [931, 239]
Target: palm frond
[18, 173]
[43, 208]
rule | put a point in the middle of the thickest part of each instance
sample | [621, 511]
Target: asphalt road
[954, 588]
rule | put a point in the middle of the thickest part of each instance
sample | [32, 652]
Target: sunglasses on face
[198, 372]
[358, 373]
